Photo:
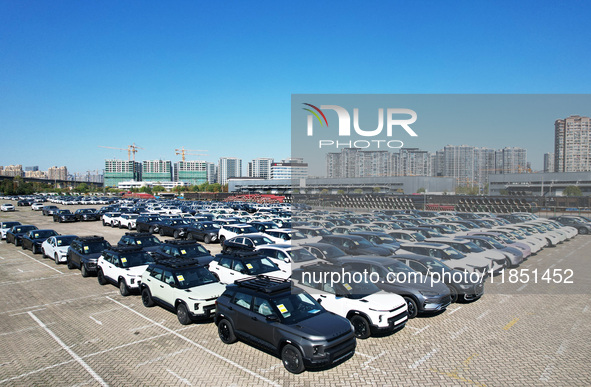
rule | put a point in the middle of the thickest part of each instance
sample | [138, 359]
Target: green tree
[504, 192]
[573, 190]
[376, 189]
[324, 191]
[158, 188]
[421, 190]
[357, 190]
[340, 192]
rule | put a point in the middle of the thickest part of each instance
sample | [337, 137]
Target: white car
[123, 267]
[470, 249]
[127, 221]
[109, 218]
[514, 235]
[7, 207]
[6, 226]
[283, 235]
[56, 248]
[231, 267]
[37, 206]
[369, 309]
[286, 256]
[228, 231]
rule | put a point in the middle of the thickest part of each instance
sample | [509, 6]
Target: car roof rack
[265, 284]
[142, 234]
[124, 249]
[175, 262]
[180, 242]
[240, 253]
[91, 238]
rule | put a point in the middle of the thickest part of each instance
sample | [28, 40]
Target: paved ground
[57, 328]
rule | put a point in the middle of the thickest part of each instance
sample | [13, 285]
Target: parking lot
[57, 328]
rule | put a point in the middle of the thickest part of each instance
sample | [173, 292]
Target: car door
[108, 266]
[243, 318]
[155, 283]
[223, 270]
[261, 327]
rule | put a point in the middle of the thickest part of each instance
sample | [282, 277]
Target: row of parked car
[269, 285]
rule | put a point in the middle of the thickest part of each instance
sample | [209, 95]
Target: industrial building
[117, 171]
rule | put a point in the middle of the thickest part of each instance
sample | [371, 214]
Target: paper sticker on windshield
[85, 248]
[36, 236]
[180, 278]
[139, 242]
[282, 308]
[123, 260]
[183, 252]
[347, 286]
[249, 266]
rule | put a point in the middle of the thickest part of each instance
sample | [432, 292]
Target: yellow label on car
[123, 260]
[282, 308]
[347, 286]
[180, 278]
[249, 265]
[183, 252]
[85, 248]
[139, 242]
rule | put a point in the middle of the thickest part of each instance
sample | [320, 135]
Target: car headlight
[428, 293]
[464, 287]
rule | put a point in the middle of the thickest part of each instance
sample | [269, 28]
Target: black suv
[147, 223]
[174, 227]
[84, 252]
[355, 245]
[173, 248]
[285, 320]
[205, 231]
[144, 240]
[63, 216]
[86, 214]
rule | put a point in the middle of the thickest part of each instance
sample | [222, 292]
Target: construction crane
[184, 152]
[130, 149]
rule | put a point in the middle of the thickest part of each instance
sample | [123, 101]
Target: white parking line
[34, 310]
[420, 330]
[585, 309]
[521, 287]
[43, 263]
[37, 279]
[232, 363]
[179, 378]
[457, 334]
[423, 359]
[67, 349]
[455, 310]
[95, 320]
[483, 314]
[100, 295]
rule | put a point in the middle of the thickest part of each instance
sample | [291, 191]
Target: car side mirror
[272, 318]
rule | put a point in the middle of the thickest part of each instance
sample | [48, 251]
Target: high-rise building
[548, 162]
[57, 173]
[572, 144]
[212, 172]
[459, 163]
[260, 167]
[411, 162]
[117, 171]
[157, 170]
[229, 167]
[192, 172]
[13, 170]
[514, 160]
[484, 164]
[32, 169]
[293, 168]
[36, 174]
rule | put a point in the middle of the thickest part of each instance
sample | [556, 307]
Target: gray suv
[270, 313]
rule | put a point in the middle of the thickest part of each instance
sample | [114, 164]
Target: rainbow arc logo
[316, 115]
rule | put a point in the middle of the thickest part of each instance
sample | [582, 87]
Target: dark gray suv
[270, 313]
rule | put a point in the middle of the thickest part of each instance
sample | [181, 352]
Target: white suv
[123, 266]
[239, 265]
[228, 231]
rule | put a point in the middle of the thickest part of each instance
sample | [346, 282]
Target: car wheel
[292, 359]
[35, 250]
[361, 325]
[123, 288]
[83, 270]
[453, 293]
[222, 239]
[412, 307]
[147, 298]
[161, 232]
[70, 264]
[120, 225]
[23, 246]
[43, 253]
[207, 239]
[100, 276]
[129, 226]
[104, 223]
[508, 263]
[226, 332]
[183, 314]
[583, 231]
[57, 259]
[176, 234]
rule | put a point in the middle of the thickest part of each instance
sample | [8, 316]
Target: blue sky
[219, 75]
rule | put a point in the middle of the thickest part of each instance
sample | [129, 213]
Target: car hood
[323, 326]
[213, 290]
[136, 270]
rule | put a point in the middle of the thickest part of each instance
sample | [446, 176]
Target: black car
[355, 245]
[85, 214]
[173, 248]
[425, 231]
[381, 239]
[583, 226]
[49, 210]
[32, 240]
[84, 252]
[459, 284]
[174, 227]
[15, 234]
[245, 242]
[147, 223]
[205, 231]
[63, 216]
[144, 240]
[285, 321]
[263, 226]
[324, 251]
[420, 295]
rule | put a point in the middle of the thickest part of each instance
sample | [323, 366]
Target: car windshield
[152, 219]
[194, 276]
[362, 242]
[147, 241]
[248, 230]
[24, 229]
[209, 226]
[435, 265]
[260, 265]
[471, 247]
[136, 259]
[261, 241]
[386, 239]
[294, 308]
[193, 251]
[62, 212]
[452, 253]
[95, 247]
[300, 255]
[9, 224]
[175, 222]
[398, 267]
[43, 234]
[64, 240]
[418, 236]
[356, 290]
[87, 211]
